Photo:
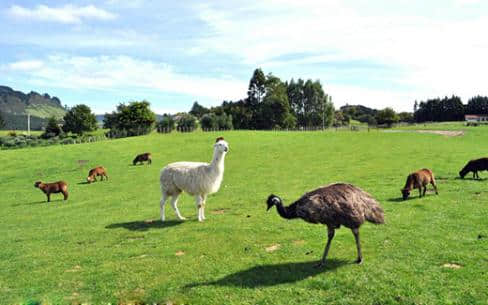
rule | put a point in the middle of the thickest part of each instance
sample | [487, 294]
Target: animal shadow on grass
[471, 179]
[83, 182]
[144, 225]
[37, 202]
[270, 275]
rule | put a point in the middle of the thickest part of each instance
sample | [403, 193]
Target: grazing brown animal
[419, 180]
[142, 157]
[474, 166]
[97, 171]
[333, 205]
[55, 187]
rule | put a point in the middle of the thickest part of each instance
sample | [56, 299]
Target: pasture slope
[106, 244]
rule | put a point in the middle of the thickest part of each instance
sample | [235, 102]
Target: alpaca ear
[219, 139]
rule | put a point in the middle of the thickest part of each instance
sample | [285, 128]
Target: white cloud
[26, 65]
[66, 14]
[123, 74]
[433, 56]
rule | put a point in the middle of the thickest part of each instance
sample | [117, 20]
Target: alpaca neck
[218, 161]
[286, 212]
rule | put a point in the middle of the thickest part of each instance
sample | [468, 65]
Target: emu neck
[218, 161]
[286, 212]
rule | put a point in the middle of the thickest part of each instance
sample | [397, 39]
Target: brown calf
[97, 171]
[419, 180]
[142, 157]
[55, 187]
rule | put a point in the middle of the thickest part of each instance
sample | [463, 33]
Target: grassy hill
[15, 105]
[106, 244]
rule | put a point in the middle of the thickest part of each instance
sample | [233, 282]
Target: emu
[196, 178]
[333, 205]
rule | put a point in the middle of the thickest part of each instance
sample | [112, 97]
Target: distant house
[476, 118]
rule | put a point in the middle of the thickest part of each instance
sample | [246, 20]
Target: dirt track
[449, 133]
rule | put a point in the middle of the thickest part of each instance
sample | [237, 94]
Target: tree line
[449, 109]
[271, 104]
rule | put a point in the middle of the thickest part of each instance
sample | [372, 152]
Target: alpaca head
[463, 172]
[221, 145]
[405, 193]
[37, 183]
[272, 200]
[89, 179]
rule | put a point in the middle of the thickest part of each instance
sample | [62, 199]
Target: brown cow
[142, 157]
[97, 171]
[419, 179]
[55, 187]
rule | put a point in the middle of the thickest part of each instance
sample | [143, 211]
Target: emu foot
[320, 264]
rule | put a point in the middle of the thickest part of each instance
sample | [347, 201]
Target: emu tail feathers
[375, 214]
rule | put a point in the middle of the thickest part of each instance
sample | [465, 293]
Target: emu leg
[330, 236]
[161, 205]
[174, 204]
[355, 231]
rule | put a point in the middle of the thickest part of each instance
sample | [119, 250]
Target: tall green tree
[198, 110]
[133, 119]
[52, 128]
[309, 103]
[274, 110]
[79, 120]
[477, 105]
[387, 116]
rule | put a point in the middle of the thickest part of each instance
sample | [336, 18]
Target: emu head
[405, 193]
[221, 145]
[37, 183]
[272, 200]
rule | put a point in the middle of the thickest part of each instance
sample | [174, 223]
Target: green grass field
[106, 244]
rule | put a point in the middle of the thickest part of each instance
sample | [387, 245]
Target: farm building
[476, 118]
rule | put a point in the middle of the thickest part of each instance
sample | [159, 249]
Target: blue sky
[375, 53]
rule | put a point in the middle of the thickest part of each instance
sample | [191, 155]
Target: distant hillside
[15, 105]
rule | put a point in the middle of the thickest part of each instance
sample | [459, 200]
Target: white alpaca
[196, 178]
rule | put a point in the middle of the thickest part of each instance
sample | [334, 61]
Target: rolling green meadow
[106, 243]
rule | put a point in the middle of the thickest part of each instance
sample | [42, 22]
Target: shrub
[187, 123]
[166, 125]
[209, 121]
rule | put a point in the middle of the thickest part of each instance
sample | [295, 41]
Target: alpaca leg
[330, 236]
[174, 204]
[420, 192]
[161, 205]
[199, 205]
[355, 231]
[425, 190]
[204, 201]
[435, 187]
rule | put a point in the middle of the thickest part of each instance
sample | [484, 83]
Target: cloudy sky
[172, 53]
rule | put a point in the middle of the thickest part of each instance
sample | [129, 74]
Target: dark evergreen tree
[79, 120]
